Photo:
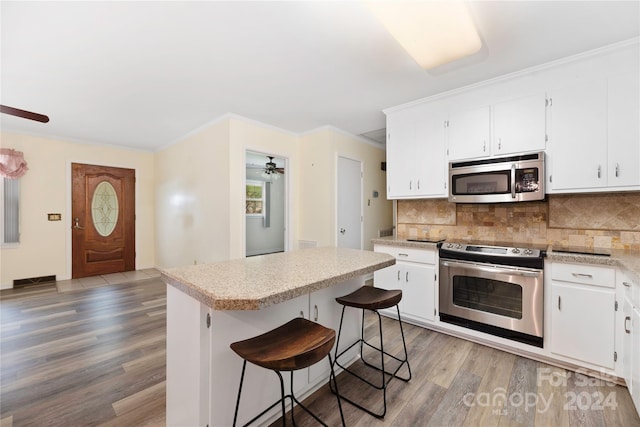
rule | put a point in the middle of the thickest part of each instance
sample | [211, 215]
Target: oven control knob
[528, 251]
[449, 245]
[515, 250]
[458, 246]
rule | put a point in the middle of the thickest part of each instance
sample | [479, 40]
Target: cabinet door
[400, 154]
[623, 129]
[583, 323]
[468, 134]
[388, 278]
[430, 162]
[578, 136]
[635, 371]
[519, 125]
[628, 356]
[418, 291]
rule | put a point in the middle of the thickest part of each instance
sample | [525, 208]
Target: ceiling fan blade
[280, 170]
[24, 114]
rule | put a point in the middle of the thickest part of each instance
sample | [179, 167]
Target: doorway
[349, 203]
[103, 220]
[265, 204]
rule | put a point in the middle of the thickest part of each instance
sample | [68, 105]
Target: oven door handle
[499, 270]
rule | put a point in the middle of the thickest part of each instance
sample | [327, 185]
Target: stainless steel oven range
[493, 289]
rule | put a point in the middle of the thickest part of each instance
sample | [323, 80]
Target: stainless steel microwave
[515, 178]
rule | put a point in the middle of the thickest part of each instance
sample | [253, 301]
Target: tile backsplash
[607, 220]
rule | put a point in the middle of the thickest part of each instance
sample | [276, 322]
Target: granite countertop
[261, 281]
[402, 242]
[628, 260]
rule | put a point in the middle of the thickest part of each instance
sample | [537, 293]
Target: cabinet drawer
[426, 256]
[584, 274]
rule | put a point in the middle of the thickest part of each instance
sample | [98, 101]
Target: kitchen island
[212, 305]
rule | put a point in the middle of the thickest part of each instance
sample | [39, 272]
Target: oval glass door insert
[104, 208]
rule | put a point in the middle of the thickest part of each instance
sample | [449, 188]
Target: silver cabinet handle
[418, 184]
[403, 254]
[559, 303]
[301, 314]
[315, 313]
[398, 275]
[484, 145]
[617, 170]
[599, 171]
[406, 277]
[499, 143]
[590, 276]
[626, 319]
[77, 224]
[626, 284]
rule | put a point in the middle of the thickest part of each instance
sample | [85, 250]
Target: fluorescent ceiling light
[432, 32]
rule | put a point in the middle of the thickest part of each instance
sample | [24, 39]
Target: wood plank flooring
[96, 357]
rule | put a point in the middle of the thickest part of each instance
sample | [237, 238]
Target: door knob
[77, 224]
[342, 231]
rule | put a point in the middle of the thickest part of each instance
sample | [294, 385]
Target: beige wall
[190, 195]
[45, 247]
[192, 199]
[319, 153]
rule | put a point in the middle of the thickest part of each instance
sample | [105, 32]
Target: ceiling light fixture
[432, 32]
[270, 170]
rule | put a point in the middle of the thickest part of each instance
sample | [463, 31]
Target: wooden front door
[103, 220]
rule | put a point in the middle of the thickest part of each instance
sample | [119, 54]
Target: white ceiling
[144, 74]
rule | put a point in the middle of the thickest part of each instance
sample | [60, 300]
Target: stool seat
[370, 298]
[295, 345]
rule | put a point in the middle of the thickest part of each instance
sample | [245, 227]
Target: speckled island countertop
[261, 281]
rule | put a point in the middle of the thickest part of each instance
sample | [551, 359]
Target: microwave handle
[513, 180]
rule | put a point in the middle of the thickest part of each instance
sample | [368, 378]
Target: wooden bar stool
[295, 345]
[373, 299]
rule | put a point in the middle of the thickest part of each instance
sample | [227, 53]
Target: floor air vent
[33, 281]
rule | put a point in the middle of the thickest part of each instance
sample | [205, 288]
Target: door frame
[68, 222]
[287, 196]
[335, 200]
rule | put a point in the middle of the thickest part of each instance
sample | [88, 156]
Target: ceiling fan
[24, 114]
[271, 171]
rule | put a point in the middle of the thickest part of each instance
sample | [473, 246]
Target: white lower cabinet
[583, 313]
[631, 340]
[415, 274]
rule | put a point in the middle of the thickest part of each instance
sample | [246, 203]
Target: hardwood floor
[88, 358]
[96, 357]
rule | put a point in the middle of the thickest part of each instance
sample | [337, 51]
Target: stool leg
[338, 338]
[333, 376]
[404, 344]
[284, 409]
[235, 415]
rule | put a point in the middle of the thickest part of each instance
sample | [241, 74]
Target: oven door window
[491, 296]
[482, 183]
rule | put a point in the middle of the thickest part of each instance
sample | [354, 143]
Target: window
[9, 214]
[255, 198]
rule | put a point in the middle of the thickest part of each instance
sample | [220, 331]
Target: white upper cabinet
[623, 115]
[519, 125]
[416, 166]
[594, 134]
[578, 136]
[469, 133]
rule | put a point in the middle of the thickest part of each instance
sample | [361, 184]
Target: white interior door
[349, 203]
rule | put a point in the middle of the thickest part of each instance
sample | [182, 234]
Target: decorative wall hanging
[12, 163]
